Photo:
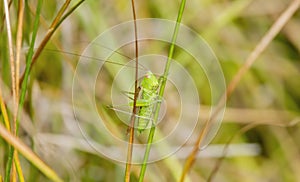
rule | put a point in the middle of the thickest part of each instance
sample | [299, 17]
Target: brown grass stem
[239, 133]
[260, 47]
[136, 91]
[19, 45]
[48, 35]
[18, 57]
[11, 52]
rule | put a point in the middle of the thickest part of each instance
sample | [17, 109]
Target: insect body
[149, 87]
[148, 96]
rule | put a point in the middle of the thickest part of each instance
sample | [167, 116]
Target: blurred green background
[268, 94]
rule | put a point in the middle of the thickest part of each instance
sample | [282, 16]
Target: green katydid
[149, 87]
[148, 96]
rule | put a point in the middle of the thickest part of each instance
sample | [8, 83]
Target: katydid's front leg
[127, 94]
[160, 79]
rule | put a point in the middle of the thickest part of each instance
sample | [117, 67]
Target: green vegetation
[39, 135]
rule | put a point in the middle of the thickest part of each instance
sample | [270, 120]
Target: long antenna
[97, 59]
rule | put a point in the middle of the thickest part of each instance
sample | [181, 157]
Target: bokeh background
[266, 101]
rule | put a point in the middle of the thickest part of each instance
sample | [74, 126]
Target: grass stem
[136, 91]
[13, 85]
[55, 24]
[161, 90]
[18, 57]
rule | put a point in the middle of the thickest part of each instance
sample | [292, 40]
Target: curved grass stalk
[161, 90]
[219, 162]
[28, 154]
[239, 133]
[55, 24]
[261, 46]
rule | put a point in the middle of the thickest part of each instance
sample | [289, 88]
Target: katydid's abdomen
[143, 122]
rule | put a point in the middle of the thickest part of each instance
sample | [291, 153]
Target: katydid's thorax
[148, 94]
[149, 86]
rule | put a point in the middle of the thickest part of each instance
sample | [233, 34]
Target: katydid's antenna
[97, 59]
[118, 52]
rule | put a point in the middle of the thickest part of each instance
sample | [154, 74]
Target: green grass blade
[55, 24]
[9, 164]
[30, 55]
[162, 89]
[23, 89]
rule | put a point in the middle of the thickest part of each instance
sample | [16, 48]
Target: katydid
[146, 102]
[149, 87]
[148, 93]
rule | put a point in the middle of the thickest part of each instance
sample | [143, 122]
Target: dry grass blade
[218, 164]
[264, 42]
[54, 25]
[247, 115]
[19, 44]
[50, 32]
[239, 133]
[11, 52]
[261, 46]
[4, 112]
[13, 85]
[28, 154]
[18, 55]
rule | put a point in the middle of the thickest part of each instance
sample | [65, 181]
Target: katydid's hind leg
[127, 93]
[145, 103]
[140, 117]
[109, 107]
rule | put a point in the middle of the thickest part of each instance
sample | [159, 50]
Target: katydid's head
[150, 81]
